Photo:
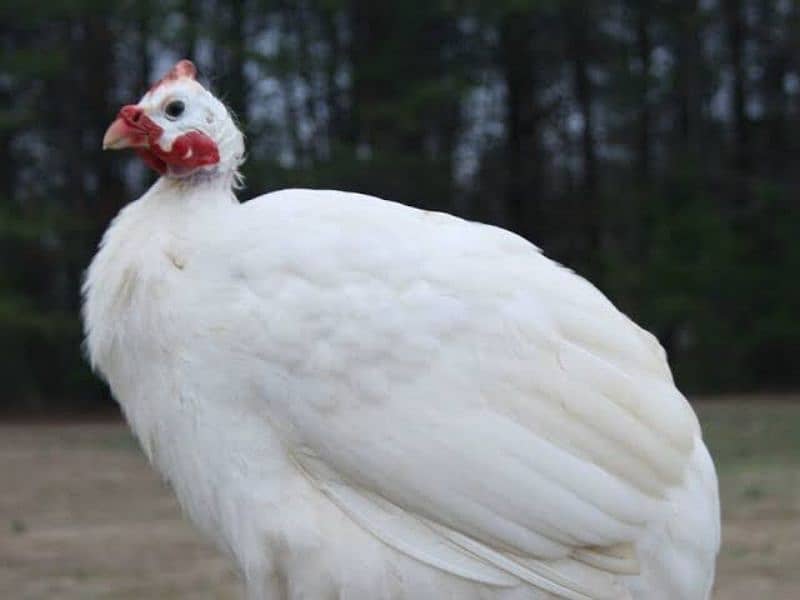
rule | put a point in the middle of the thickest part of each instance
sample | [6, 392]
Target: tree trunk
[523, 186]
[189, 34]
[591, 213]
[337, 119]
[143, 38]
[688, 80]
[735, 34]
[235, 79]
[777, 61]
[370, 27]
[644, 49]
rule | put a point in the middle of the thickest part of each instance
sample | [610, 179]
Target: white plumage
[361, 400]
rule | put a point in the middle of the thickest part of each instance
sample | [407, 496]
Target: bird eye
[174, 109]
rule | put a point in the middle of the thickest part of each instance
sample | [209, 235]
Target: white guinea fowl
[361, 400]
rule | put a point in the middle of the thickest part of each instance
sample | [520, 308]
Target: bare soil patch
[82, 516]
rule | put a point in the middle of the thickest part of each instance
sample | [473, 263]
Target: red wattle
[190, 150]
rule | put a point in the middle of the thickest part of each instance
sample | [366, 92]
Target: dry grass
[756, 446]
[83, 517]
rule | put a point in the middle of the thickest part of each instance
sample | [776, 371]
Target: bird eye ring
[174, 109]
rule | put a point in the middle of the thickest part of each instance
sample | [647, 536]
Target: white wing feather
[458, 395]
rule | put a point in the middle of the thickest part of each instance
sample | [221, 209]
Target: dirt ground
[82, 516]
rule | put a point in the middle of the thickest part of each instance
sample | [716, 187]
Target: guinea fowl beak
[117, 136]
[131, 129]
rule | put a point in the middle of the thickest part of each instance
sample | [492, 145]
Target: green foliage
[586, 126]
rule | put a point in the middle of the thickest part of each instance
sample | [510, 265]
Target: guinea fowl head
[180, 129]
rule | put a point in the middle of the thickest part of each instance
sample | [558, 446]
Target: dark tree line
[650, 145]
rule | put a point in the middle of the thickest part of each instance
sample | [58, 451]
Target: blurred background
[652, 146]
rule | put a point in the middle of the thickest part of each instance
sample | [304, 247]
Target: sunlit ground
[83, 517]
